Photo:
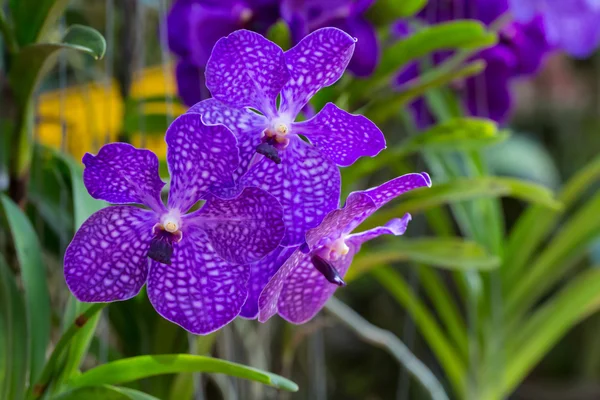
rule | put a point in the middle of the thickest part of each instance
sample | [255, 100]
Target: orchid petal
[243, 229]
[123, 174]
[247, 70]
[246, 125]
[261, 273]
[341, 136]
[199, 291]
[396, 227]
[319, 60]
[106, 260]
[200, 157]
[306, 183]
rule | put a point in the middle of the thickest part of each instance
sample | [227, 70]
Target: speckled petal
[247, 70]
[261, 273]
[106, 260]
[306, 290]
[341, 136]
[199, 291]
[200, 157]
[396, 227]
[319, 60]
[246, 125]
[267, 301]
[243, 229]
[306, 183]
[360, 205]
[123, 174]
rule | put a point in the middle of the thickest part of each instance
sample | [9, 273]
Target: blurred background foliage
[495, 289]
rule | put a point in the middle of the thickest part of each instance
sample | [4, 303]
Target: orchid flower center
[324, 257]
[246, 15]
[164, 235]
[274, 139]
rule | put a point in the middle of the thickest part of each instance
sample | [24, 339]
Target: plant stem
[8, 34]
[38, 389]
[387, 340]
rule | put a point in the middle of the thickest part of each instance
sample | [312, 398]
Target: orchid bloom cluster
[194, 26]
[252, 224]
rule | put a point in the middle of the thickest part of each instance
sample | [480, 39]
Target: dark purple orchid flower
[246, 74]
[305, 16]
[302, 286]
[570, 25]
[194, 26]
[520, 52]
[195, 265]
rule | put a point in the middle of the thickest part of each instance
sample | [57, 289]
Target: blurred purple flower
[302, 286]
[195, 265]
[245, 75]
[305, 16]
[194, 26]
[520, 51]
[572, 25]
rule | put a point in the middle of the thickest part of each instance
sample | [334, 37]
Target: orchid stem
[390, 342]
[38, 389]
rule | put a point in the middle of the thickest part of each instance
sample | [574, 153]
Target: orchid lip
[328, 270]
[161, 245]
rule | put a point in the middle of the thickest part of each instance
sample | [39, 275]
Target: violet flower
[194, 264]
[194, 26]
[520, 52]
[246, 74]
[302, 286]
[570, 25]
[305, 16]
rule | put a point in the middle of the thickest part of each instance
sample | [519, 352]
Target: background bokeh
[536, 97]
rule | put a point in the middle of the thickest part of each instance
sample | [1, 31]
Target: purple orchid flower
[302, 286]
[570, 25]
[520, 52]
[194, 264]
[194, 26]
[245, 74]
[305, 16]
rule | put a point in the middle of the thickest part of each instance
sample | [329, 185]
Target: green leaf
[33, 273]
[450, 253]
[452, 35]
[453, 135]
[464, 189]
[388, 11]
[104, 392]
[33, 61]
[542, 330]
[134, 368]
[387, 105]
[33, 18]
[13, 331]
[555, 260]
[152, 124]
[450, 360]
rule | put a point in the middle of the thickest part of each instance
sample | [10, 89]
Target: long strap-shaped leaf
[134, 368]
[33, 273]
[13, 328]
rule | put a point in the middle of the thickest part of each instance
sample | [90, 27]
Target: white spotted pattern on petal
[267, 301]
[199, 291]
[246, 70]
[122, 174]
[107, 259]
[306, 183]
[396, 227]
[243, 229]
[319, 60]
[394, 188]
[341, 136]
[261, 273]
[246, 125]
[306, 290]
[199, 157]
